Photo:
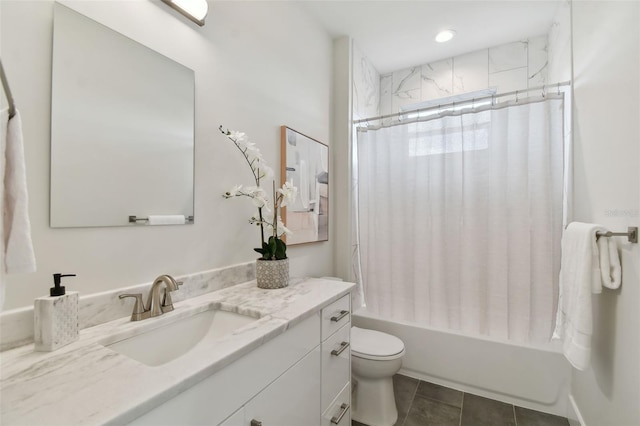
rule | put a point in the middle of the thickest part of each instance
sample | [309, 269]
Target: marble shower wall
[559, 51]
[366, 86]
[507, 67]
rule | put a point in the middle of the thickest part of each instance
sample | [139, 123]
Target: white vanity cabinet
[290, 400]
[336, 363]
[291, 380]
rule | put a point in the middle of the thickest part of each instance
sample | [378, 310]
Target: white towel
[610, 270]
[20, 257]
[176, 219]
[580, 277]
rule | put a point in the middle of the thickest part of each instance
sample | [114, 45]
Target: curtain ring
[516, 96]
[493, 99]
[473, 103]
[543, 90]
[558, 88]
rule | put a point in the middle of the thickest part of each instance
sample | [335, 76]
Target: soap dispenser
[56, 317]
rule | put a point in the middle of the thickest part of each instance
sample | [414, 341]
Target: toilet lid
[375, 344]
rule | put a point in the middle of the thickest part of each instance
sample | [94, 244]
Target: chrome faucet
[154, 306]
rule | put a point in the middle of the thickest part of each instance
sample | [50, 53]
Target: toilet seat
[375, 345]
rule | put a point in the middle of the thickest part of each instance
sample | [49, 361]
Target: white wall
[258, 65]
[606, 51]
[341, 127]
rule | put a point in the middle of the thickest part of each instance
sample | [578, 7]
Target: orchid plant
[268, 218]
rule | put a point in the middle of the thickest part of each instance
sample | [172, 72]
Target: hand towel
[175, 219]
[579, 278]
[610, 270]
[19, 254]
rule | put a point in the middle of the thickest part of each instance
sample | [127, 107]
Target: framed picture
[305, 163]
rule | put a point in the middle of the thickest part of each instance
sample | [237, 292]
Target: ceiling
[397, 34]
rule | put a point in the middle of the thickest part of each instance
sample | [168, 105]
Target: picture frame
[305, 163]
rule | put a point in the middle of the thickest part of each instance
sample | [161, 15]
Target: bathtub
[537, 378]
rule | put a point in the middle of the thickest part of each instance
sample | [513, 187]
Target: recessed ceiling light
[445, 35]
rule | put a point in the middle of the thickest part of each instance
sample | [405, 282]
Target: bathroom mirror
[122, 128]
[305, 163]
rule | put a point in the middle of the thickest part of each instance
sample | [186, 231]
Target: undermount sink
[169, 342]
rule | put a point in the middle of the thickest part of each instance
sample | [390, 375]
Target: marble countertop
[87, 383]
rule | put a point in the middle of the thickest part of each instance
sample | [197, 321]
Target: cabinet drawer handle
[343, 346]
[255, 422]
[336, 419]
[338, 317]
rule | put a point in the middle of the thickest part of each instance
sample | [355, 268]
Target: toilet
[375, 358]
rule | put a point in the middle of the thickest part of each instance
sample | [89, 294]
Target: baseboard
[574, 415]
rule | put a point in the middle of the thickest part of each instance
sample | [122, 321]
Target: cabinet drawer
[335, 316]
[341, 406]
[292, 400]
[336, 364]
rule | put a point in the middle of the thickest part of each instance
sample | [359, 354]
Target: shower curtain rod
[7, 91]
[544, 89]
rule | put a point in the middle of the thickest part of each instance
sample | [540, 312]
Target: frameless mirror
[122, 128]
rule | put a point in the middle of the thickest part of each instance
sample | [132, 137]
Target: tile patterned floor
[426, 404]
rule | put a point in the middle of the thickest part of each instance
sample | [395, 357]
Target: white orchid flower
[289, 193]
[283, 229]
[254, 156]
[246, 146]
[238, 137]
[258, 196]
[268, 218]
[266, 172]
[233, 192]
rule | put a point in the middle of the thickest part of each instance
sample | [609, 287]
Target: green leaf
[272, 247]
[281, 249]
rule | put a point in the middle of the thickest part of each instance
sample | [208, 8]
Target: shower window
[427, 141]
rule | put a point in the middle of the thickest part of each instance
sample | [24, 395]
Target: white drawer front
[335, 316]
[336, 364]
[341, 406]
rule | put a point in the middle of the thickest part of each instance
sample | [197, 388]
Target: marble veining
[405, 98]
[366, 86]
[508, 67]
[538, 61]
[406, 80]
[84, 382]
[437, 80]
[385, 94]
[16, 326]
[470, 72]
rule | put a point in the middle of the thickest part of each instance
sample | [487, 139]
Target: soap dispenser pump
[56, 317]
[57, 289]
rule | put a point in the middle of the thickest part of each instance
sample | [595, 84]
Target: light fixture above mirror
[195, 10]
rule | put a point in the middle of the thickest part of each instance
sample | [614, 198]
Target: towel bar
[631, 234]
[134, 219]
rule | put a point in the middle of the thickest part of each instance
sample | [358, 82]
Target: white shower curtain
[460, 219]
